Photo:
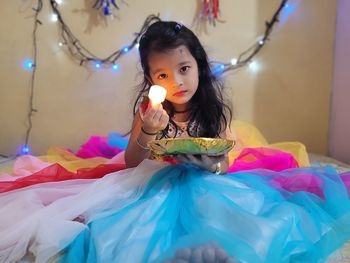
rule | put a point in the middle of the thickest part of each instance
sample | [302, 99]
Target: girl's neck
[181, 116]
[182, 112]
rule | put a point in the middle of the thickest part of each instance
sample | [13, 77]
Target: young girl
[172, 57]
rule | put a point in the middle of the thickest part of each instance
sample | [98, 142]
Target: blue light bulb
[218, 69]
[115, 67]
[28, 64]
[98, 65]
[25, 149]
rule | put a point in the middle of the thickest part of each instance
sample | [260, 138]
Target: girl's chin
[179, 100]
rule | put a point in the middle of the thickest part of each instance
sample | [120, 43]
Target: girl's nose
[178, 81]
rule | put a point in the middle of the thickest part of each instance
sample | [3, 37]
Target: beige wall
[288, 99]
[339, 143]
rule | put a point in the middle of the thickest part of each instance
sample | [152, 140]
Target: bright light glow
[60, 44]
[137, 45]
[24, 150]
[156, 94]
[287, 10]
[97, 64]
[234, 61]
[59, 2]
[126, 49]
[261, 42]
[28, 64]
[54, 17]
[218, 69]
[115, 67]
[254, 66]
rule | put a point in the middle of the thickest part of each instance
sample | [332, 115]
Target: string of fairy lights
[86, 58]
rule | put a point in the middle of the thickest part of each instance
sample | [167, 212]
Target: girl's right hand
[155, 119]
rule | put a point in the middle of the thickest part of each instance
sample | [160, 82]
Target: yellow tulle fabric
[247, 135]
[70, 161]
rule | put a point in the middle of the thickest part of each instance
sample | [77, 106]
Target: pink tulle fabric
[97, 146]
[307, 182]
[24, 166]
[263, 158]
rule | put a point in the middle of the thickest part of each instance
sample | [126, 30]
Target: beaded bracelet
[148, 133]
[141, 146]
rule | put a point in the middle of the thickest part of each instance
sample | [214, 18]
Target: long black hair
[209, 115]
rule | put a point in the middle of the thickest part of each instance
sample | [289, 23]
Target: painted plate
[209, 146]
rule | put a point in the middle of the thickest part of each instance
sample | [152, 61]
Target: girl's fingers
[158, 113]
[181, 158]
[164, 118]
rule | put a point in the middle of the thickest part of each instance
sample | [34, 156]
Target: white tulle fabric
[42, 219]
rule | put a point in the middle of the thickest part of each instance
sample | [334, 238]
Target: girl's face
[177, 71]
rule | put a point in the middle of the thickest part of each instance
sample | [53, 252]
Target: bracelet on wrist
[148, 133]
[141, 146]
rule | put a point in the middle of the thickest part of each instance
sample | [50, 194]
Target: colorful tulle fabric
[86, 207]
[248, 136]
[98, 146]
[251, 215]
[56, 173]
[263, 158]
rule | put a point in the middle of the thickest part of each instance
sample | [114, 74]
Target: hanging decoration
[106, 6]
[210, 11]
[84, 56]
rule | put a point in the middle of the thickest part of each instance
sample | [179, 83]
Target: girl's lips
[180, 93]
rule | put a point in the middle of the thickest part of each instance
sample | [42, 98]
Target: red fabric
[56, 173]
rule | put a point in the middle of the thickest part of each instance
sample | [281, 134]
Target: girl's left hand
[202, 160]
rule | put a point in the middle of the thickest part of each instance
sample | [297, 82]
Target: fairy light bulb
[233, 61]
[156, 94]
[115, 67]
[97, 64]
[254, 66]
[54, 17]
[28, 64]
[24, 150]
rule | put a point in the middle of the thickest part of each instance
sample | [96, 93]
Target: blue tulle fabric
[244, 214]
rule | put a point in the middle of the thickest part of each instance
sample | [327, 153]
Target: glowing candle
[156, 94]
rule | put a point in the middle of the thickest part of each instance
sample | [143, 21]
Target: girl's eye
[184, 69]
[162, 76]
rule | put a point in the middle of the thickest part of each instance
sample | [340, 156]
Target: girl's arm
[136, 150]
[142, 132]
[223, 165]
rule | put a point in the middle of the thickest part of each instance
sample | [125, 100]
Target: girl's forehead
[170, 57]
